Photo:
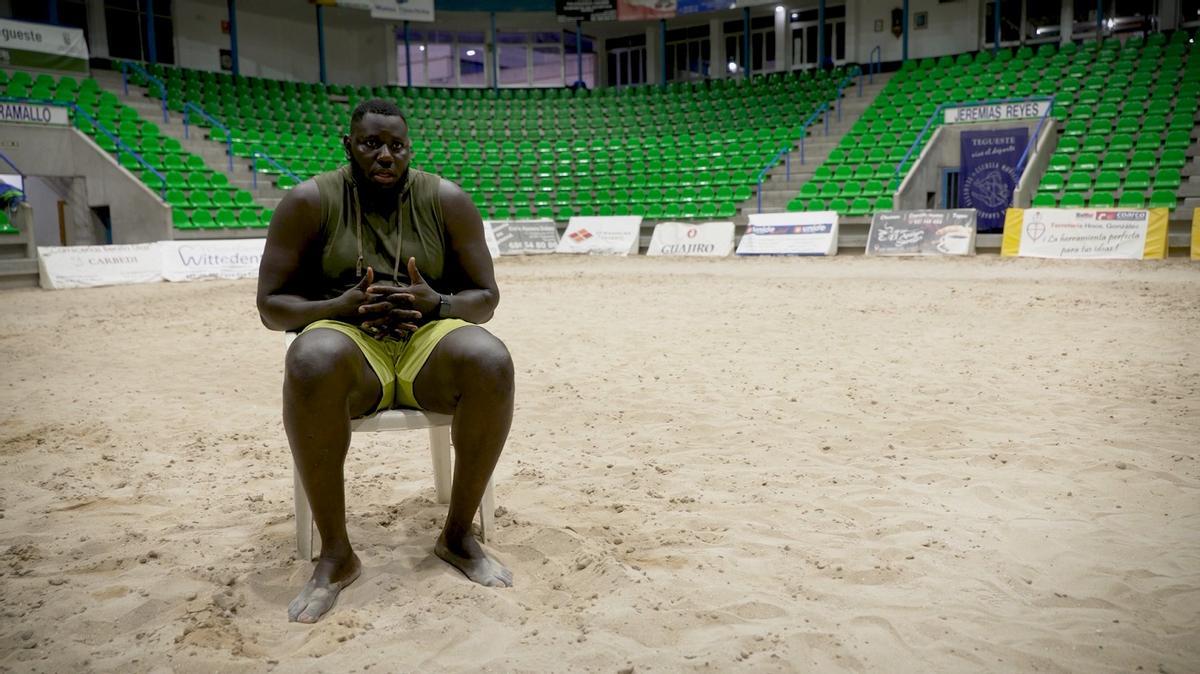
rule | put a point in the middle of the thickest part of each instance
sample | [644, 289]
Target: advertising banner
[42, 46]
[989, 173]
[402, 10]
[33, 113]
[489, 236]
[1086, 233]
[92, 266]
[634, 10]
[524, 237]
[711, 239]
[1196, 234]
[922, 233]
[998, 112]
[210, 259]
[616, 235]
[813, 233]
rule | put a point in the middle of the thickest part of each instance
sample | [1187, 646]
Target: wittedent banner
[92, 266]
[36, 45]
[1086, 233]
[211, 259]
[525, 237]
[922, 233]
[813, 233]
[989, 173]
[617, 235]
[998, 112]
[33, 113]
[711, 239]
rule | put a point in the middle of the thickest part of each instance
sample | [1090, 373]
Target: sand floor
[830, 465]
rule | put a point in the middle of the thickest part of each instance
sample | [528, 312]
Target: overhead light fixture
[779, 8]
[470, 52]
[795, 16]
[732, 67]
[421, 47]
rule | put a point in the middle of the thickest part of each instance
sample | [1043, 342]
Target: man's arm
[295, 225]
[477, 303]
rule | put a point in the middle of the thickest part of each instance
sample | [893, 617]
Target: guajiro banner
[42, 46]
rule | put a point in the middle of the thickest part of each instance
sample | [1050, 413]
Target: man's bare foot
[329, 578]
[468, 556]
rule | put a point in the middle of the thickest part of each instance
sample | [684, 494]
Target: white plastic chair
[308, 538]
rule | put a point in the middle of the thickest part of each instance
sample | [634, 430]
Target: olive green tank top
[416, 229]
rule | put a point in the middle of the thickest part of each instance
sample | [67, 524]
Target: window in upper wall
[1189, 12]
[127, 24]
[1010, 22]
[1043, 20]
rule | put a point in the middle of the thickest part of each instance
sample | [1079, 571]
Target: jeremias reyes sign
[790, 234]
[1086, 233]
[33, 113]
[989, 173]
[617, 235]
[35, 45]
[524, 237]
[998, 112]
[712, 239]
[922, 233]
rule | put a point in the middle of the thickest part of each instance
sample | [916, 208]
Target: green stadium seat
[1071, 200]
[1162, 199]
[202, 219]
[1132, 200]
[1108, 180]
[1167, 179]
[1051, 182]
[883, 204]
[1044, 201]
[1102, 200]
[225, 217]
[1137, 180]
[1079, 182]
[1087, 161]
[180, 218]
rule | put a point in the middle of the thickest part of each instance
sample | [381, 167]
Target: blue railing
[1033, 141]
[162, 88]
[786, 150]
[162, 192]
[938, 113]
[19, 172]
[189, 107]
[259, 154]
[874, 63]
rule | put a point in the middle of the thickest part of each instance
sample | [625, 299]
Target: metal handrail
[874, 63]
[1021, 163]
[188, 106]
[256, 154]
[162, 88]
[786, 150]
[943, 106]
[95, 123]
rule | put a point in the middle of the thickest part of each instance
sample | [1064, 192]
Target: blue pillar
[52, 12]
[746, 42]
[407, 58]
[151, 47]
[1099, 18]
[996, 27]
[495, 56]
[821, 35]
[662, 53]
[579, 47]
[233, 52]
[904, 33]
[321, 40]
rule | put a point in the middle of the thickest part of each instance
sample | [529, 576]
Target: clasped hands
[384, 310]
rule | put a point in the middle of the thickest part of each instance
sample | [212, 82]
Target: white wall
[278, 39]
[954, 27]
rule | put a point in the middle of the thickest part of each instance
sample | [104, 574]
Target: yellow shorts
[396, 362]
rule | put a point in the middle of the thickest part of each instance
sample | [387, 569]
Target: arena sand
[738, 465]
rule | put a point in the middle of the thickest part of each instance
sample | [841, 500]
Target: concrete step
[18, 273]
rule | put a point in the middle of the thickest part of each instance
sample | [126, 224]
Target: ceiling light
[470, 52]
[421, 47]
[732, 67]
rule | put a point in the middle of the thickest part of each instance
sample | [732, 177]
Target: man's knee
[487, 363]
[320, 358]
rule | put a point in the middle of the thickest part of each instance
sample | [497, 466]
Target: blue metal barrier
[162, 192]
[259, 154]
[189, 107]
[162, 88]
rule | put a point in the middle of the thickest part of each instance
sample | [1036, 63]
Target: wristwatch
[444, 306]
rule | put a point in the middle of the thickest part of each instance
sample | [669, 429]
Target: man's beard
[371, 191]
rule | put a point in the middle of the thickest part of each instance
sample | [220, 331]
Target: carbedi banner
[989, 173]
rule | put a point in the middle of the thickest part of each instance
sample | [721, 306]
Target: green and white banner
[37, 45]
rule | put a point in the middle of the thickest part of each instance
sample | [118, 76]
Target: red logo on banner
[581, 236]
[691, 233]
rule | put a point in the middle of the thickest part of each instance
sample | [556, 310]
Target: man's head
[378, 145]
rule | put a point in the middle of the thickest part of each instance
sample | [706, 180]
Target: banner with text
[33, 113]
[402, 10]
[211, 259]
[1086, 233]
[92, 266]
[43, 46]
[616, 235]
[922, 233]
[711, 239]
[998, 112]
[525, 237]
[635, 10]
[989, 173]
[489, 237]
[813, 233]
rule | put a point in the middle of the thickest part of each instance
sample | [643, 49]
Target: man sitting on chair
[385, 270]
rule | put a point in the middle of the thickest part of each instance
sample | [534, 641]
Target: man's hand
[406, 306]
